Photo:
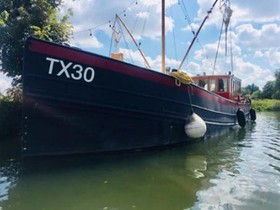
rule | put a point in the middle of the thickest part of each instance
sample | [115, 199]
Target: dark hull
[76, 102]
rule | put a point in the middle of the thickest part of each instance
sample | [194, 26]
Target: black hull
[111, 106]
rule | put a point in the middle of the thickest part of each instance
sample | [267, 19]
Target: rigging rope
[231, 55]
[109, 21]
[111, 43]
[227, 13]
[126, 43]
[218, 47]
[196, 35]
[187, 17]
[174, 38]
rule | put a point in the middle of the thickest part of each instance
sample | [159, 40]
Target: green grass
[266, 104]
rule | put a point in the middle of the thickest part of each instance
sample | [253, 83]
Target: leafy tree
[268, 90]
[276, 92]
[252, 88]
[22, 18]
[257, 94]
[249, 89]
[10, 112]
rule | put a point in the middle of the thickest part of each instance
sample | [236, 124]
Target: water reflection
[9, 166]
[253, 180]
[239, 170]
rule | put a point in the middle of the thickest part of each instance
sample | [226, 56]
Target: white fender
[195, 126]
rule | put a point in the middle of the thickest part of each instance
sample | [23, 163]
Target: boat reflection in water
[116, 181]
[237, 170]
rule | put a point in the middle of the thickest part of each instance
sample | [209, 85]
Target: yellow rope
[181, 77]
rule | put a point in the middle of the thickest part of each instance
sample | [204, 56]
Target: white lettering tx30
[87, 74]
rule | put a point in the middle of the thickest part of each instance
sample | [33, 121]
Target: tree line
[271, 89]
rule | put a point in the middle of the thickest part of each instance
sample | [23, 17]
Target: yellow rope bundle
[181, 77]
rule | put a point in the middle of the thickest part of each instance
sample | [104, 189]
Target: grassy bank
[266, 105]
[10, 116]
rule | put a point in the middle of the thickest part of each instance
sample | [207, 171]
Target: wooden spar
[163, 36]
[143, 56]
[196, 34]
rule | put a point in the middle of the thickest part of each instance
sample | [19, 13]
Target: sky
[253, 35]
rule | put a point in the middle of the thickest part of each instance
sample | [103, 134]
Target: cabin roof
[215, 76]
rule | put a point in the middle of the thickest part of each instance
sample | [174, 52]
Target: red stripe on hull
[99, 61]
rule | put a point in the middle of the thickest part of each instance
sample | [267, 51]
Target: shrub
[10, 113]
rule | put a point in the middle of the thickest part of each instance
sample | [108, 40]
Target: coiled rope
[181, 77]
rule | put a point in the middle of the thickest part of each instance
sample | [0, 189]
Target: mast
[163, 36]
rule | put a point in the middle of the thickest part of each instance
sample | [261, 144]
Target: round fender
[195, 127]
[253, 114]
[241, 118]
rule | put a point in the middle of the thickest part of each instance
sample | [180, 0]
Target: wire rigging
[144, 25]
[183, 7]
[123, 12]
[174, 39]
[218, 47]
[227, 13]
[126, 43]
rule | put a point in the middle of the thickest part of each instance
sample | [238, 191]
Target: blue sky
[254, 35]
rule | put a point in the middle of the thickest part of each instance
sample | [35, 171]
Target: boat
[80, 102]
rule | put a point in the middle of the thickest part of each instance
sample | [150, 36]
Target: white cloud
[135, 58]
[191, 28]
[273, 57]
[142, 15]
[258, 54]
[194, 67]
[87, 40]
[251, 73]
[265, 37]
[89, 15]
[261, 11]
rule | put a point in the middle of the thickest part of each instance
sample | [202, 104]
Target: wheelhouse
[227, 86]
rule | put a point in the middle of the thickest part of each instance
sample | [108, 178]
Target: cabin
[227, 85]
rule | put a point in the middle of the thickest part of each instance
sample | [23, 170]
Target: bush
[266, 105]
[10, 114]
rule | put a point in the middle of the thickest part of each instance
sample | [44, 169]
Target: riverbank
[266, 104]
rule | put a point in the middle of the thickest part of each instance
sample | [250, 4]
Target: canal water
[239, 170]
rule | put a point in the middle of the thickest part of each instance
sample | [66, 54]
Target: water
[240, 170]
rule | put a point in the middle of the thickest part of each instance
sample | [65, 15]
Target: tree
[249, 89]
[22, 18]
[257, 94]
[276, 92]
[268, 90]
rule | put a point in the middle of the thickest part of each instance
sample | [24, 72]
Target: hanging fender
[195, 126]
[253, 114]
[241, 118]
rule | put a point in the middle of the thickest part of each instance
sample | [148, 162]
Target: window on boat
[239, 87]
[212, 85]
[222, 85]
[236, 86]
[203, 83]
